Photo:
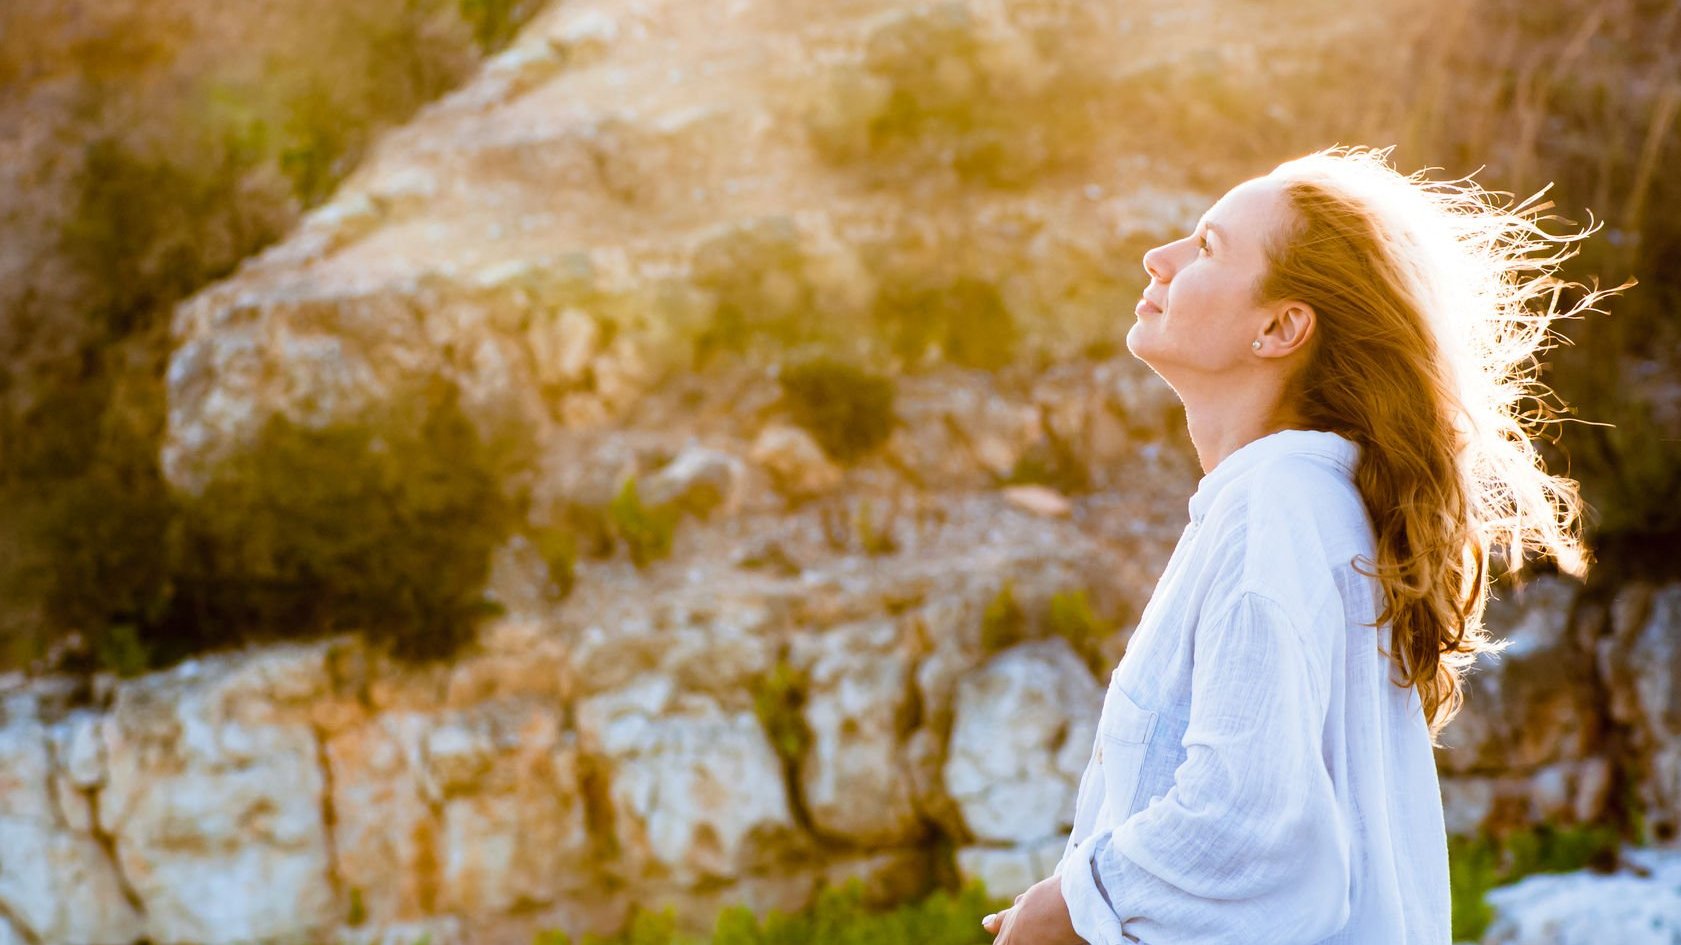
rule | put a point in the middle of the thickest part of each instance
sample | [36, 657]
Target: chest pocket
[1124, 732]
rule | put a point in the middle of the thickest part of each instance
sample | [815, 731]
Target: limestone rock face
[513, 828]
[853, 779]
[628, 748]
[1640, 657]
[718, 654]
[558, 773]
[633, 186]
[1019, 742]
[57, 880]
[385, 830]
[697, 792]
[1535, 703]
[211, 791]
[1526, 745]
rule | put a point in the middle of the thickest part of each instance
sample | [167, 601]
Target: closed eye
[1203, 242]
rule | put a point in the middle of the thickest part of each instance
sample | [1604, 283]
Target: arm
[1249, 844]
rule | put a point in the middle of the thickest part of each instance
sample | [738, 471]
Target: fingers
[995, 921]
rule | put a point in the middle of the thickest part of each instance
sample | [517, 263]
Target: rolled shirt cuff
[1094, 919]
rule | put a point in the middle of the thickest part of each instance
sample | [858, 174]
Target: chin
[1140, 349]
[1136, 346]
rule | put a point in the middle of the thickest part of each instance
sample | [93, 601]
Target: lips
[1146, 307]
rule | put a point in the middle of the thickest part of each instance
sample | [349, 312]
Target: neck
[1221, 421]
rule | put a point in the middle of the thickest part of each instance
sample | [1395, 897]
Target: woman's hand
[1038, 917]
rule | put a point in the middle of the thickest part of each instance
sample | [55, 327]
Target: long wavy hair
[1426, 349]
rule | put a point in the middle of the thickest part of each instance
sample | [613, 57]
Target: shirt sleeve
[1248, 845]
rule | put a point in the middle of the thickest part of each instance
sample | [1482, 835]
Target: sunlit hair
[1427, 334]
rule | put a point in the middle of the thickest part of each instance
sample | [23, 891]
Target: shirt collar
[1334, 447]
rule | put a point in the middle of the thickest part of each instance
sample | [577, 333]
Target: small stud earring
[1256, 344]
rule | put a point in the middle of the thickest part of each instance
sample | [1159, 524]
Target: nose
[1156, 264]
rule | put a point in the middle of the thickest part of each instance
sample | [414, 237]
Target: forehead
[1249, 211]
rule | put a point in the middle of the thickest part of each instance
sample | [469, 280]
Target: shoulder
[1285, 524]
[1293, 492]
[1297, 486]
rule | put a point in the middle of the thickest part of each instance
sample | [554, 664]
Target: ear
[1290, 330]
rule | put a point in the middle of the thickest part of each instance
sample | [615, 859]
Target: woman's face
[1198, 315]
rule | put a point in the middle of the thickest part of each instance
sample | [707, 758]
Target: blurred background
[480, 471]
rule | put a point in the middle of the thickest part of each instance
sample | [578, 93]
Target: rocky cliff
[617, 752]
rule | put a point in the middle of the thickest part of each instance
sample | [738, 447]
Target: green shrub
[90, 513]
[358, 912]
[840, 914]
[848, 409]
[1051, 461]
[876, 536]
[940, 88]
[90, 523]
[384, 523]
[148, 230]
[584, 528]
[1069, 615]
[100, 571]
[588, 527]
[755, 272]
[386, 64]
[1629, 465]
[319, 146]
[965, 323]
[646, 530]
[1003, 622]
[1471, 871]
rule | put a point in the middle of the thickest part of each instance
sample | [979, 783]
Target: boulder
[698, 480]
[1640, 658]
[1021, 735]
[1536, 702]
[58, 882]
[695, 792]
[1640, 905]
[385, 831]
[1527, 743]
[513, 830]
[795, 461]
[213, 793]
[853, 780]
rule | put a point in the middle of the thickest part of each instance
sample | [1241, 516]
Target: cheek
[1195, 289]
[1208, 305]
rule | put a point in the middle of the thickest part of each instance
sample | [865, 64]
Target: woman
[1349, 345]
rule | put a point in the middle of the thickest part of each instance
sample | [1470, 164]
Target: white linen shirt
[1256, 776]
